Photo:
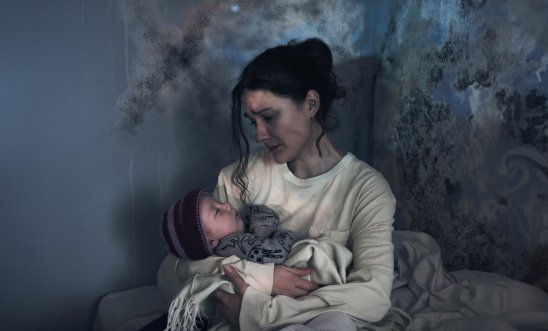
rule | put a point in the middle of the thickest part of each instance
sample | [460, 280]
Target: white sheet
[460, 300]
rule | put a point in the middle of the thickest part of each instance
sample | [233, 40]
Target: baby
[199, 226]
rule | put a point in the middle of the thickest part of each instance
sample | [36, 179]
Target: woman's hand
[288, 281]
[230, 304]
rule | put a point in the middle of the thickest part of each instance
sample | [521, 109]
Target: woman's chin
[279, 158]
[276, 154]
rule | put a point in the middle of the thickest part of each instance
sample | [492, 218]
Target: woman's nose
[261, 133]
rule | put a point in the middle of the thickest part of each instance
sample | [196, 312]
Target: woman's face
[282, 125]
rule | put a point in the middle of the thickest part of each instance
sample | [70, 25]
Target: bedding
[434, 298]
[463, 299]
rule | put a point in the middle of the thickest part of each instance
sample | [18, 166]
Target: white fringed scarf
[328, 259]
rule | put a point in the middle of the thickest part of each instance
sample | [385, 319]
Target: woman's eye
[252, 123]
[269, 118]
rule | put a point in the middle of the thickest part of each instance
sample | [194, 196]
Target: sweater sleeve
[365, 296]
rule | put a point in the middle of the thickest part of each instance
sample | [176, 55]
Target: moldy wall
[461, 130]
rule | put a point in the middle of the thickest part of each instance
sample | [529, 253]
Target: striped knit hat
[182, 228]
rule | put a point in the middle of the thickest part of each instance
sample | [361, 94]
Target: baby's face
[219, 219]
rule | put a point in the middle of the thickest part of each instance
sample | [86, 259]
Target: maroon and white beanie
[182, 228]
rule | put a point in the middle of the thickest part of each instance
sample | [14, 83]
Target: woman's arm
[293, 285]
[230, 304]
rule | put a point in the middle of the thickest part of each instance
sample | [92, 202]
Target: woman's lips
[272, 149]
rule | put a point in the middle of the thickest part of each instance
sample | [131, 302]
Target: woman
[286, 93]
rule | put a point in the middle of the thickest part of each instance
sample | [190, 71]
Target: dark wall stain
[525, 118]
[469, 136]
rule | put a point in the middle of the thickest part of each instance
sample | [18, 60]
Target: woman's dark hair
[290, 71]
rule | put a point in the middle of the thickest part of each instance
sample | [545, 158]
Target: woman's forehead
[255, 101]
[254, 97]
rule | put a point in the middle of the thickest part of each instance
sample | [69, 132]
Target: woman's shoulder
[365, 175]
[359, 168]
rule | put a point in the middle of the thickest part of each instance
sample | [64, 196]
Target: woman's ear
[213, 243]
[312, 102]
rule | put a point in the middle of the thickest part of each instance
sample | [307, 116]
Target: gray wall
[111, 110]
[80, 203]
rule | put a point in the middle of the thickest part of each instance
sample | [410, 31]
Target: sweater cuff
[252, 309]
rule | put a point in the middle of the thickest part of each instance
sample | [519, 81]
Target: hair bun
[316, 52]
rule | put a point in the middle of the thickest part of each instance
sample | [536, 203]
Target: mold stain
[453, 49]
[469, 6]
[174, 54]
[525, 118]
[481, 217]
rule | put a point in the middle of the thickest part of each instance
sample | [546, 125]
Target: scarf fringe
[184, 315]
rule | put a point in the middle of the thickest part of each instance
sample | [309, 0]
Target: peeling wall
[461, 130]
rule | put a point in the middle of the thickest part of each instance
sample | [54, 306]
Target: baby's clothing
[265, 243]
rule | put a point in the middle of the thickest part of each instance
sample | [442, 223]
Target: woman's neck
[309, 164]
